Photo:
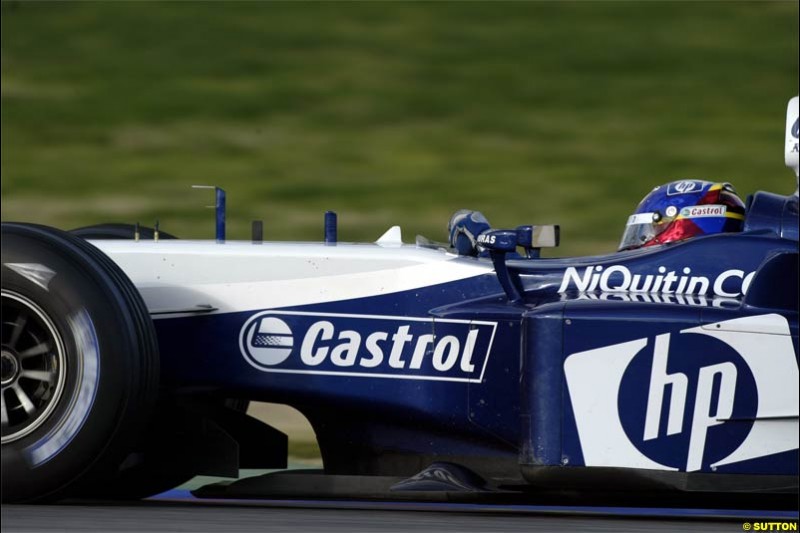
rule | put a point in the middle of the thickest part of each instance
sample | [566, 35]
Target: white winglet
[392, 237]
[791, 136]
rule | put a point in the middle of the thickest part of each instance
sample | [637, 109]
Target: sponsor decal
[270, 341]
[619, 278]
[688, 420]
[692, 400]
[486, 239]
[684, 187]
[702, 211]
[795, 128]
[672, 211]
[692, 300]
[367, 345]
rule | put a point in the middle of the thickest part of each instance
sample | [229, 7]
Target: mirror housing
[499, 240]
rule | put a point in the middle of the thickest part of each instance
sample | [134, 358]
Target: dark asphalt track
[156, 517]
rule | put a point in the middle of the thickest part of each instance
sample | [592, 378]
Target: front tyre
[162, 458]
[78, 367]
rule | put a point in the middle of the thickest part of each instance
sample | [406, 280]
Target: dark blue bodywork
[460, 372]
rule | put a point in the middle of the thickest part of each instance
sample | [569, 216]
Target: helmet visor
[642, 228]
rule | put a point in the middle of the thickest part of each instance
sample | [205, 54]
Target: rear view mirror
[547, 236]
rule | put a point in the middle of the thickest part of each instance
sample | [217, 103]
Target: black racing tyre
[79, 364]
[159, 460]
[115, 230]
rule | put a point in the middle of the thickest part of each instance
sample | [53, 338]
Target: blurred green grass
[389, 113]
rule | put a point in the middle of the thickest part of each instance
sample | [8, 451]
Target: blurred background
[388, 113]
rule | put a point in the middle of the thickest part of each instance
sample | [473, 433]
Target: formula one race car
[127, 364]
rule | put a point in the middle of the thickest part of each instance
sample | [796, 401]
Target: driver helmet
[681, 210]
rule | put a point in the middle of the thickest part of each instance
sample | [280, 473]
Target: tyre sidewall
[95, 328]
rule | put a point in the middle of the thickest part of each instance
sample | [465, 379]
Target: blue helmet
[682, 210]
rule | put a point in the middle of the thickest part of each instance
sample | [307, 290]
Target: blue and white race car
[127, 362]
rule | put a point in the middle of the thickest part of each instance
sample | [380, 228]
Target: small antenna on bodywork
[219, 206]
[331, 227]
[257, 232]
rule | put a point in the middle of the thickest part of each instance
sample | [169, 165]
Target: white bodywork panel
[764, 342]
[175, 275]
[790, 149]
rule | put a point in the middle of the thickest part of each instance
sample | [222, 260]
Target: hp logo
[693, 400]
[684, 187]
[689, 397]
